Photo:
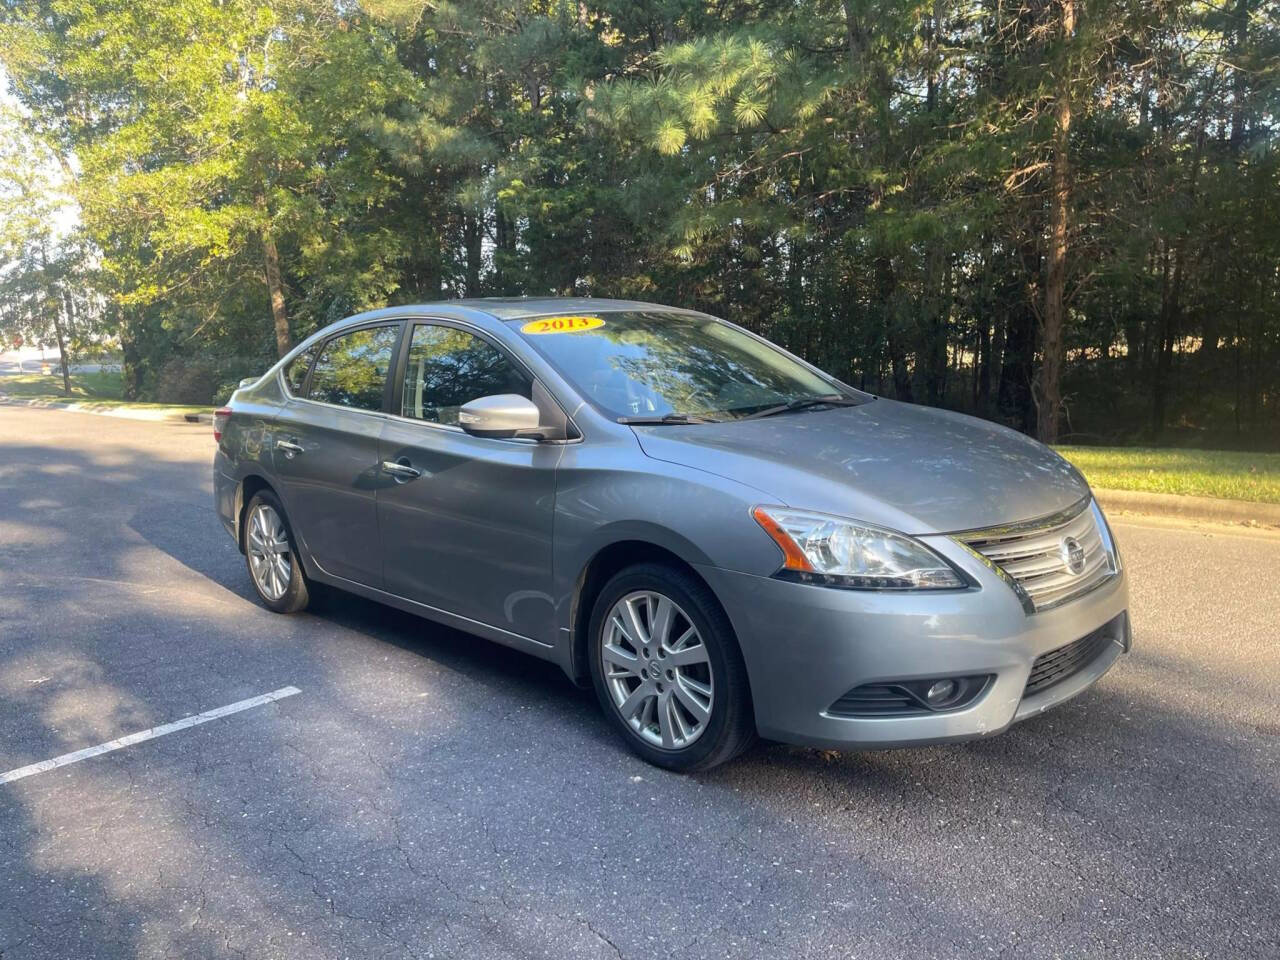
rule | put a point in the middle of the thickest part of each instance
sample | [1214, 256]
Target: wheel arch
[249, 485]
[608, 560]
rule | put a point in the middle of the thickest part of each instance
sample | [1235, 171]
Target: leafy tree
[1057, 213]
[47, 283]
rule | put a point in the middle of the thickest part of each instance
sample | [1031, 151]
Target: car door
[325, 451]
[466, 525]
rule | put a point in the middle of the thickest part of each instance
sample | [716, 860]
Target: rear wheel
[274, 567]
[667, 669]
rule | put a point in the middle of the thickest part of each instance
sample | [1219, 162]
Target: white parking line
[141, 735]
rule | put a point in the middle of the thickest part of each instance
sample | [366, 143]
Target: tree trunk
[131, 361]
[271, 263]
[471, 241]
[1013, 396]
[1240, 78]
[886, 282]
[853, 35]
[53, 303]
[935, 334]
[1052, 332]
[504, 256]
[982, 375]
[1173, 271]
[898, 364]
[61, 333]
[1170, 316]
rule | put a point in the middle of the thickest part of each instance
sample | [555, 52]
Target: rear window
[351, 369]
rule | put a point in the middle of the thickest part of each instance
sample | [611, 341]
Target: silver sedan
[725, 541]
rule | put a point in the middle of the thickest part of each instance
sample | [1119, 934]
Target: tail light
[221, 418]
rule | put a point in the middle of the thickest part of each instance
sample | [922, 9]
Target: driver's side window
[448, 367]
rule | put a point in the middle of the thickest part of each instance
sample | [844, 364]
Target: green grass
[100, 388]
[1204, 473]
[84, 386]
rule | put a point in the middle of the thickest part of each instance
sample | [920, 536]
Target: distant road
[12, 364]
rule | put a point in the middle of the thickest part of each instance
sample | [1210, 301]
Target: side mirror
[501, 417]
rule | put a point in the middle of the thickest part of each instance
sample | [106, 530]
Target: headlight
[1104, 531]
[819, 548]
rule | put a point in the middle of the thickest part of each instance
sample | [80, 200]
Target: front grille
[1058, 665]
[1032, 555]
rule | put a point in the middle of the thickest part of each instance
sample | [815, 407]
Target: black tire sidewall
[296, 596]
[728, 673]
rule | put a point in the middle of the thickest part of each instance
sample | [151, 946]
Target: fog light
[941, 692]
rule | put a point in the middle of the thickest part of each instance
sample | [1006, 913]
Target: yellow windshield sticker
[562, 325]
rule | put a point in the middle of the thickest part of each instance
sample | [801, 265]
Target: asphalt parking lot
[426, 794]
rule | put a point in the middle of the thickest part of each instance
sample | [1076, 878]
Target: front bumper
[806, 646]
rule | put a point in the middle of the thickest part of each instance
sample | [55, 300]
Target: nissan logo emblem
[1072, 555]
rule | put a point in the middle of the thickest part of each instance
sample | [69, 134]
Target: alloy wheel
[657, 670]
[268, 548]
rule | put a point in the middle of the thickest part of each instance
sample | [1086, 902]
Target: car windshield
[642, 364]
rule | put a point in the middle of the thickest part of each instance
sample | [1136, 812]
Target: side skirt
[543, 651]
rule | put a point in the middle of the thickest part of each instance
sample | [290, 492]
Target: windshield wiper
[668, 418]
[830, 399]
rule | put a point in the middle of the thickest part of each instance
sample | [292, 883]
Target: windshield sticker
[562, 325]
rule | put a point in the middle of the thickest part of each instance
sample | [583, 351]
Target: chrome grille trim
[1029, 555]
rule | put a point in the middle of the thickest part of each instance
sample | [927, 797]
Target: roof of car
[513, 308]
[489, 309]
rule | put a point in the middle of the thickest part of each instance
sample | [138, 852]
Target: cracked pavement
[432, 795]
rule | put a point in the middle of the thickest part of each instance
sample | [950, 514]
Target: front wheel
[667, 669]
[274, 567]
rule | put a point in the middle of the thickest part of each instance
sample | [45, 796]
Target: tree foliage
[1063, 214]
[49, 283]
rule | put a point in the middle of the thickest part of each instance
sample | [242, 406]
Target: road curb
[109, 410]
[1190, 507]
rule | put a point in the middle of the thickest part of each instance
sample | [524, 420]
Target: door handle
[400, 469]
[290, 448]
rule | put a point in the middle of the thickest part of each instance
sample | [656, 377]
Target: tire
[674, 673]
[265, 576]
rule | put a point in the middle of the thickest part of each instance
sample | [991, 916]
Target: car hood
[915, 469]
